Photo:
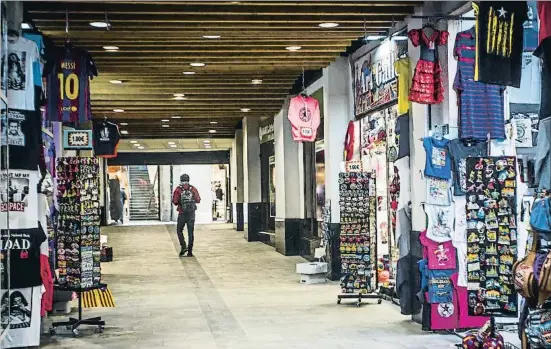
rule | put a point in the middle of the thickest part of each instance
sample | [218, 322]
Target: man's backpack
[187, 201]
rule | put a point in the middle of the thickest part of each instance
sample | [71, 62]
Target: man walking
[186, 197]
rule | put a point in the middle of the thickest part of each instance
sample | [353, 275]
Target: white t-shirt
[19, 194]
[504, 147]
[22, 58]
[43, 212]
[459, 238]
[438, 191]
[440, 219]
[24, 316]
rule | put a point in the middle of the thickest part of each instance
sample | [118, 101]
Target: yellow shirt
[404, 82]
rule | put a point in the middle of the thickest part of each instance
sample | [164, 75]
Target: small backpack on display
[187, 201]
[544, 281]
[523, 274]
[540, 216]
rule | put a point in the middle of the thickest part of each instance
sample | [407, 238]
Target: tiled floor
[235, 295]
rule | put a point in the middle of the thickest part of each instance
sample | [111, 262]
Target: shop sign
[375, 82]
[266, 133]
[77, 139]
[354, 166]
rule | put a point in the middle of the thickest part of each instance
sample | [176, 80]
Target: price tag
[353, 166]
[306, 131]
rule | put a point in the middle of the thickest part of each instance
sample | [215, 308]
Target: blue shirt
[440, 286]
[438, 162]
[37, 69]
[424, 274]
[481, 107]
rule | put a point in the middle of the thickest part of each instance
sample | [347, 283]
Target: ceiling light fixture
[116, 82]
[176, 117]
[124, 132]
[179, 98]
[165, 120]
[124, 124]
[211, 37]
[256, 81]
[293, 48]
[100, 24]
[26, 25]
[179, 95]
[141, 148]
[245, 110]
[212, 131]
[133, 142]
[111, 48]
[206, 141]
[137, 145]
[328, 25]
[165, 125]
[197, 64]
[374, 37]
[118, 110]
[399, 38]
[170, 143]
[189, 73]
[173, 146]
[214, 122]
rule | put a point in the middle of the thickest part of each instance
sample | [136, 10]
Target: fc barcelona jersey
[68, 88]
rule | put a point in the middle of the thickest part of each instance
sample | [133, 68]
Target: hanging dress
[426, 87]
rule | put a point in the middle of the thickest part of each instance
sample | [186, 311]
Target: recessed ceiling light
[214, 122]
[212, 131]
[176, 117]
[197, 64]
[211, 37]
[115, 81]
[100, 24]
[123, 123]
[170, 143]
[189, 73]
[293, 48]
[245, 110]
[124, 132]
[374, 37]
[165, 120]
[137, 145]
[173, 146]
[165, 125]
[179, 98]
[256, 81]
[118, 110]
[25, 25]
[179, 94]
[329, 25]
[134, 142]
[111, 48]
[141, 148]
[206, 141]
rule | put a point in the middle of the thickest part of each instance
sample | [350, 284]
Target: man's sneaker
[190, 254]
[183, 251]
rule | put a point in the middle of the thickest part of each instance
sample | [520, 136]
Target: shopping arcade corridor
[234, 294]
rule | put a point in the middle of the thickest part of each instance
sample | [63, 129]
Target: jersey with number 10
[68, 88]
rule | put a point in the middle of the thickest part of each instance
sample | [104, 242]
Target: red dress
[426, 87]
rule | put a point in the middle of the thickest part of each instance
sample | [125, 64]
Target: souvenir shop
[45, 134]
[450, 104]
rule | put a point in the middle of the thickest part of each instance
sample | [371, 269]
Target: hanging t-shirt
[543, 52]
[402, 135]
[522, 130]
[530, 82]
[106, 139]
[404, 81]
[461, 294]
[438, 162]
[501, 147]
[500, 36]
[24, 248]
[440, 286]
[23, 62]
[438, 191]
[39, 41]
[18, 194]
[68, 88]
[23, 137]
[544, 15]
[459, 151]
[21, 309]
[444, 316]
[439, 255]
[304, 115]
[440, 222]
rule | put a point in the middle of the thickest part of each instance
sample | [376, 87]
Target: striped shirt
[481, 109]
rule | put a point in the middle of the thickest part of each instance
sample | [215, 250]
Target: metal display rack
[358, 238]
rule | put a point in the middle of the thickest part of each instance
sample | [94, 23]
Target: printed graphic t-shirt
[18, 194]
[106, 139]
[440, 286]
[24, 316]
[24, 248]
[23, 137]
[465, 320]
[543, 52]
[23, 62]
[439, 255]
[438, 162]
[500, 33]
[459, 152]
[440, 222]
[304, 115]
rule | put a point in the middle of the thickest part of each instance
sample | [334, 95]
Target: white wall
[200, 177]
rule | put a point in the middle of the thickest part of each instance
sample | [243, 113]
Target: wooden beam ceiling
[158, 40]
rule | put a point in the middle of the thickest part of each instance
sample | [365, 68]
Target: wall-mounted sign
[375, 82]
[266, 133]
[354, 166]
[77, 139]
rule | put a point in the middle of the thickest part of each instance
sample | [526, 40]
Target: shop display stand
[358, 205]
[77, 242]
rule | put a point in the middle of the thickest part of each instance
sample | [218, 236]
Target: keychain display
[358, 207]
[491, 235]
[77, 228]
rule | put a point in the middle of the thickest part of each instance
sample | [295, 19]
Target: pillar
[289, 186]
[165, 193]
[236, 170]
[251, 178]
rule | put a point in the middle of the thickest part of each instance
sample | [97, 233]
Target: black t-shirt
[543, 52]
[106, 139]
[500, 33]
[402, 133]
[24, 248]
[23, 137]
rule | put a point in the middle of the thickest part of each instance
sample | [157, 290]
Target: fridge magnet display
[491, 235]
[358, 245]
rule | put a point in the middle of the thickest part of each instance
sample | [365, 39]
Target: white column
[251, 178]
[236, 180]
[165, 193]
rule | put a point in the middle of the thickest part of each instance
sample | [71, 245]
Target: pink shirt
[444, 316]
[304, 115]
[440, 255]
[465, 320]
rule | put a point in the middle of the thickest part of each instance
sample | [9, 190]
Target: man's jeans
[183, 219]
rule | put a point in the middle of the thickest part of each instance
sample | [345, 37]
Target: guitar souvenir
[77, 228]
[491, 236]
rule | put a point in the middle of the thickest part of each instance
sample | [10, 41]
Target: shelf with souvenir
[358, 241]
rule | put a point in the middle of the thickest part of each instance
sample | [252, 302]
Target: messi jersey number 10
[68, 86]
